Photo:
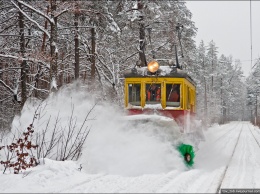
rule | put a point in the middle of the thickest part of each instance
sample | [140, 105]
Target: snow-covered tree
[48, 44]
[253, 90]
[200, 74]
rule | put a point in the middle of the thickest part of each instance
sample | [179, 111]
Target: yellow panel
[163, 80]
[126, 94]
[143, 94]
[163, 95]
[184, 96]
[194, 100]
[192, 90]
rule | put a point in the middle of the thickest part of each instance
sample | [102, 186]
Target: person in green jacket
[188, 153]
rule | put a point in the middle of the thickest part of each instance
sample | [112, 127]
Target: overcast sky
[227, 23]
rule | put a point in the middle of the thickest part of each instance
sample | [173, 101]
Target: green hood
[187, 149]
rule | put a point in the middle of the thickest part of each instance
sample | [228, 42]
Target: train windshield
[173, 95]
[153, 93]
[134, 97]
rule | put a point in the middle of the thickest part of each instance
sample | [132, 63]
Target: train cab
[157, 89]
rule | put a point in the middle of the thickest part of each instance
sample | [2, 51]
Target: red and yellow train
[164, 90]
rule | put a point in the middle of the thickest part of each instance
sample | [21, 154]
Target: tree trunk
[62, 74]
[205, 95]
[76, 39]
[142, 45]
[44, 34]
[222, 102]
[37, 77]
[212, 66]
[54, 50]
[205, 98]
[255, 109]
[224, 112]
[22, 53]
[142, 57]
[93, 60]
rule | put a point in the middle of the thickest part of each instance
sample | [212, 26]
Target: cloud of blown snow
[114, 145]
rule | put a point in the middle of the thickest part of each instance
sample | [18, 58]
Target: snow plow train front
[166, 91]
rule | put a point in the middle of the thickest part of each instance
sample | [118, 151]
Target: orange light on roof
[153, 66]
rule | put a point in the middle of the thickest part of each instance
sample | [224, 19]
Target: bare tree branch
[37, 11]
[7, 87]
[33, 21]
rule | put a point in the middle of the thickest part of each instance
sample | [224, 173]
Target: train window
[173, 95]
[134, 94]
[153, 93]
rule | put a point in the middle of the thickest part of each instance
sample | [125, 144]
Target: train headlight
[153, 66]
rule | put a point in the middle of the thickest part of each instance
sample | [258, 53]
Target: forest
[47, 45]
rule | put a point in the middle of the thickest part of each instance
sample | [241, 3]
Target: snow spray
[113, 146]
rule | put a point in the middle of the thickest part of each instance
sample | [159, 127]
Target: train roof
[163, 71]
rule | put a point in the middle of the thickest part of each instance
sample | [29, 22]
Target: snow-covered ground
[206, 176]
[124, 158]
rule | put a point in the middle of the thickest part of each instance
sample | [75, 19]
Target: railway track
[254, 137]
[226, 133]
[226, 168]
